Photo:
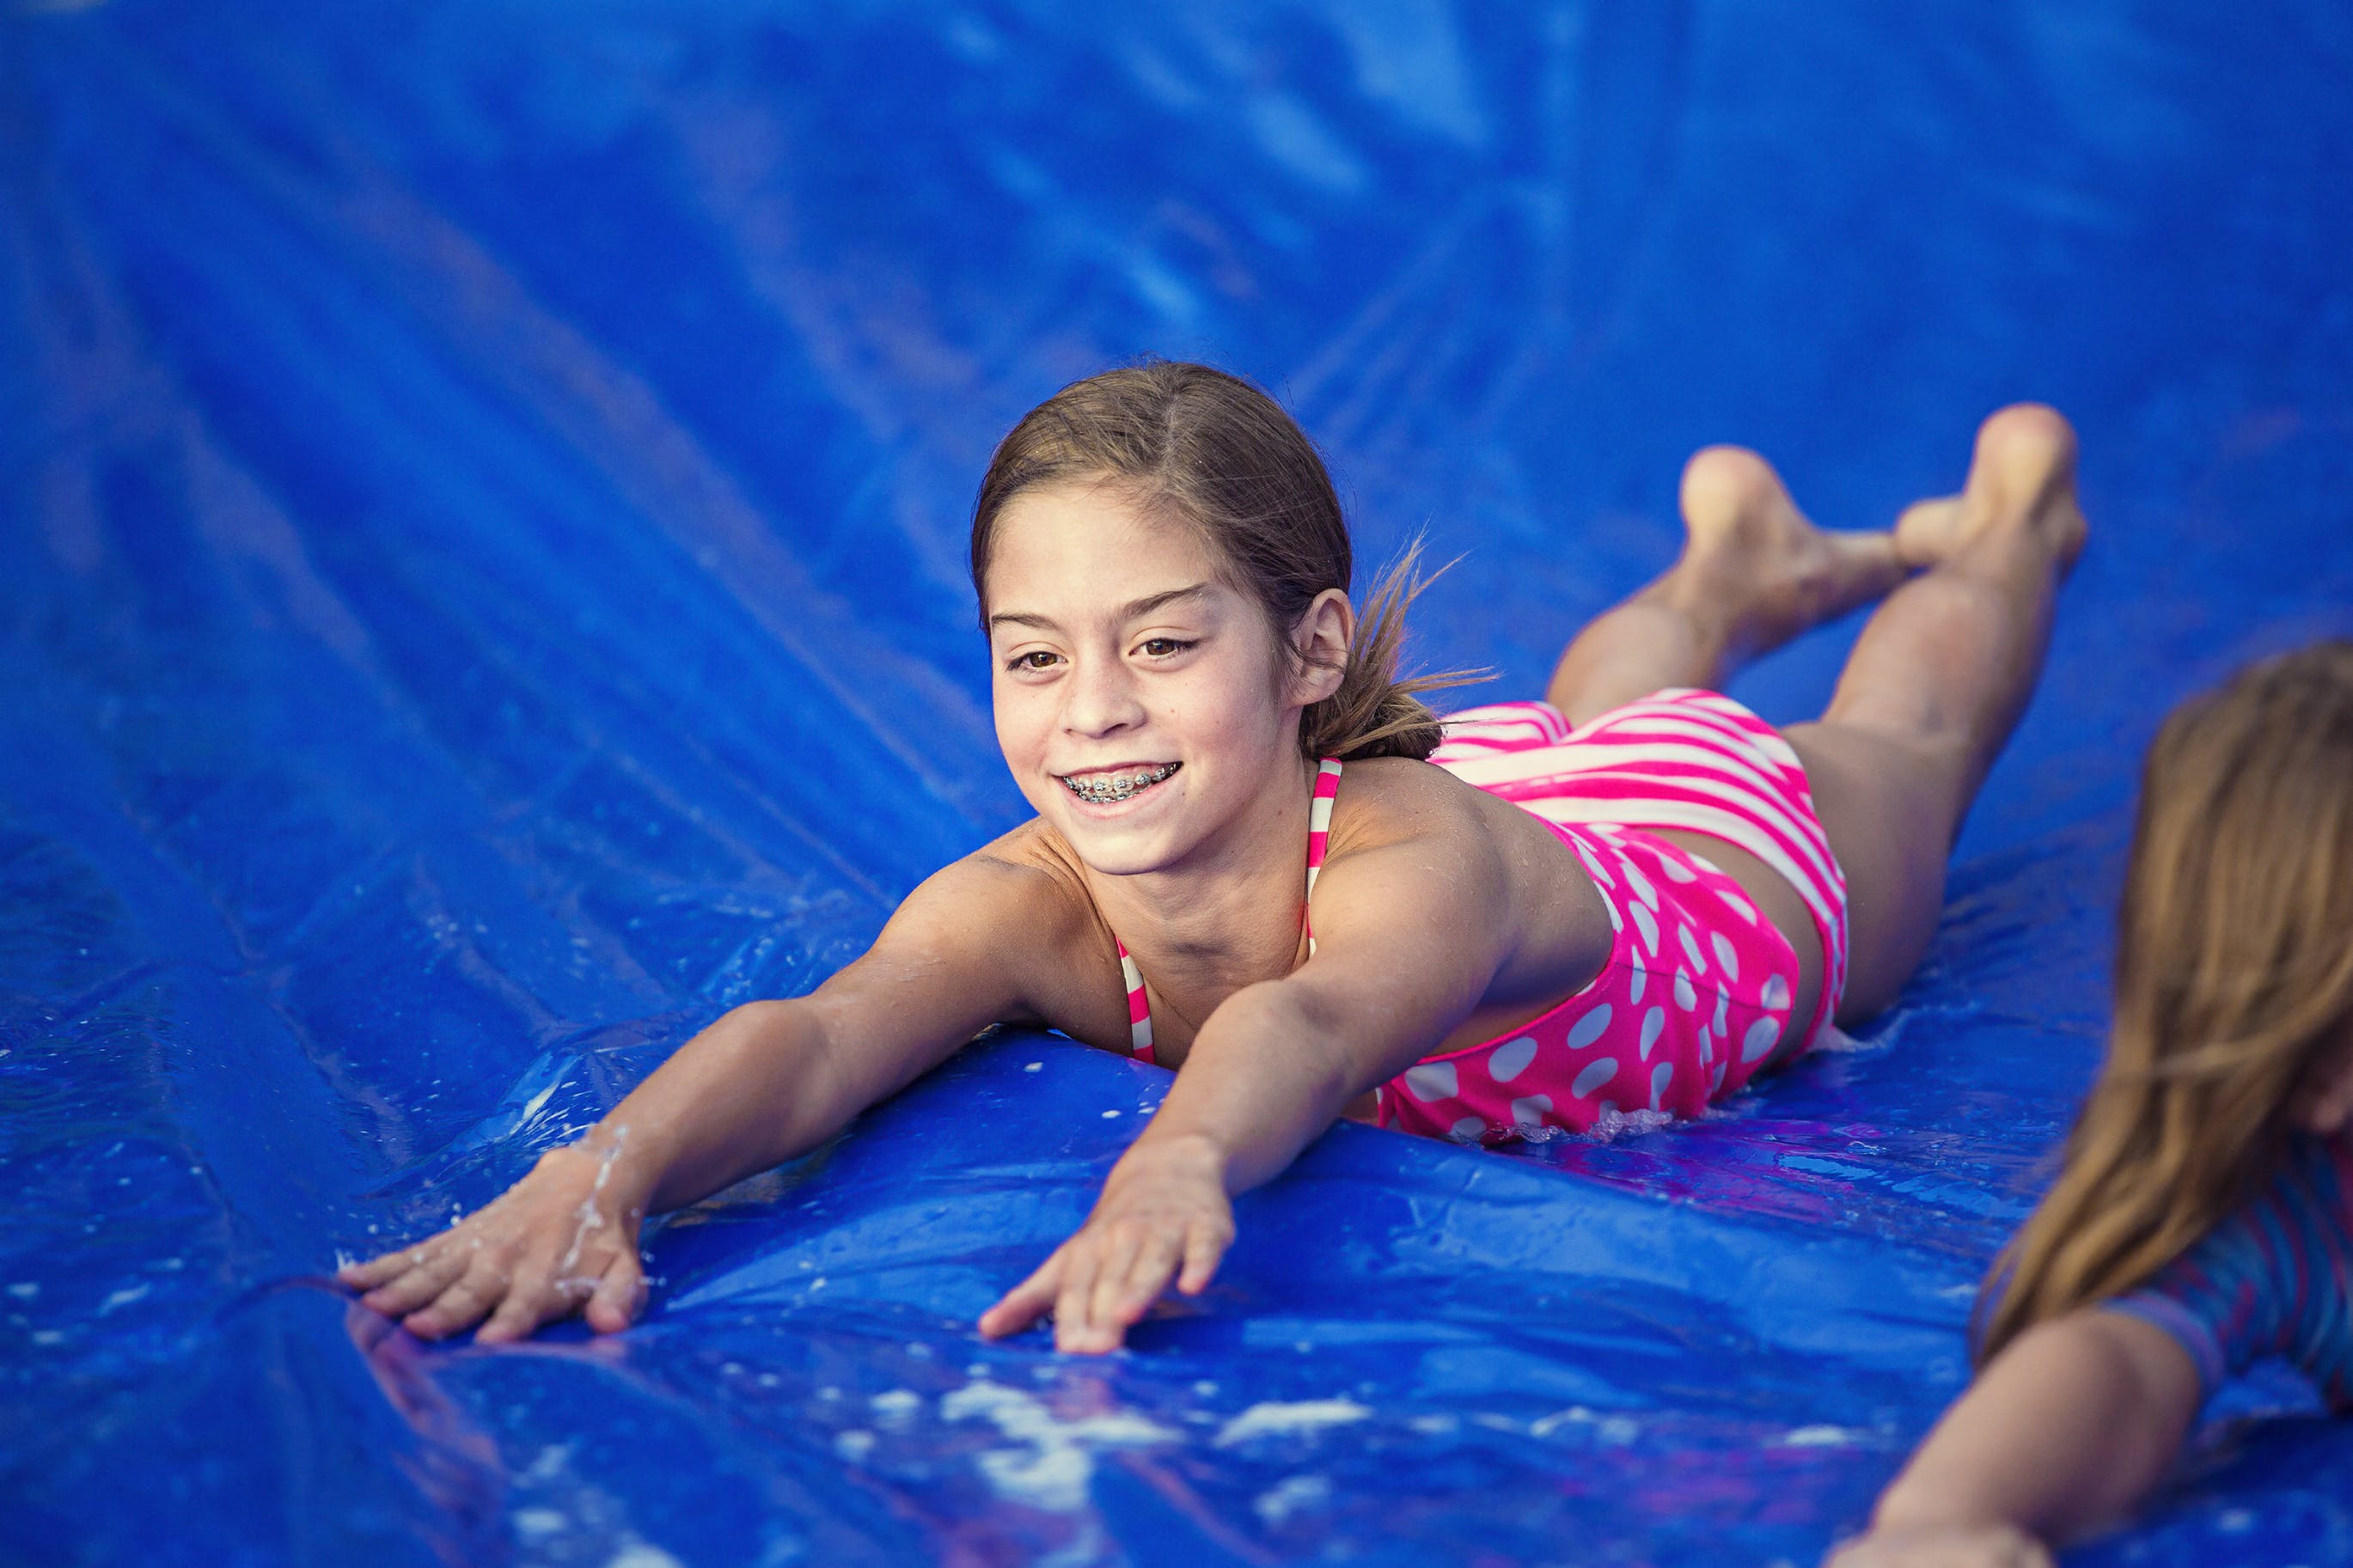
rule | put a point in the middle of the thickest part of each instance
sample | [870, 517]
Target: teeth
[1104, 790]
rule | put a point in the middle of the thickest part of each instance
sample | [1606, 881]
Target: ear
[2325, 1105]
[1321, 637]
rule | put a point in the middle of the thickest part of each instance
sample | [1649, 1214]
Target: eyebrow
[1130, 611]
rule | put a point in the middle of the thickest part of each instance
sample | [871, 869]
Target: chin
[1122, 842]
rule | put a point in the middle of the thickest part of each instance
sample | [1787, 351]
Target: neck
[1230, 909]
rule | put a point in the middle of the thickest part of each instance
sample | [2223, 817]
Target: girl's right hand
[562, 1240]
[1943, 1546]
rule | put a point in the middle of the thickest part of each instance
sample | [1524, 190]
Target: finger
[461, 1306]
[1148, 1276]
[391, 1265]
[376, 1272]
[531, 1300]
[1125, 1246]
[1205, 1244]
[1074, 1331]
[440, 1269]
[1025, 1302]
[619, 1296]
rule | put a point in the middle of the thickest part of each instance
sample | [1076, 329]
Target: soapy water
[591, 1217]
[480, 511]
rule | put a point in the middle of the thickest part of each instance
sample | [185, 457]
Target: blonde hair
[2234, 982]
[1221, 455]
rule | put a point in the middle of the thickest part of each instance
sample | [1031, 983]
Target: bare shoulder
[1019, 906]
[1513, 897]
[1023, 887]
[1405, 833]
[1386, 800]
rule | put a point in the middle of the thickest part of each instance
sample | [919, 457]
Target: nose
[1099, 699]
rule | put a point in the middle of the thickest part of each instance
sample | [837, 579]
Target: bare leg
[1754, 573]
[1936, 682]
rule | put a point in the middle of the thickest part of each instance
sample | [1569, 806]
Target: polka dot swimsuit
[1699, 986]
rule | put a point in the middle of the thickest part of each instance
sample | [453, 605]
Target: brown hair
[1223, 455]
[2235, 987]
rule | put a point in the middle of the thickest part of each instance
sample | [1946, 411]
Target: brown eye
[1035, 658]
[1163, 647]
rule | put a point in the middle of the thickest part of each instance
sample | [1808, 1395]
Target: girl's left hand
[1163, 1212]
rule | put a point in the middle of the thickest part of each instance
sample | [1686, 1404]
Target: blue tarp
[481, 500]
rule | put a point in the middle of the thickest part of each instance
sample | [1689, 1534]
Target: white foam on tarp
[1834, 1038]
[897, 1407]
[1294, 1418]
[633, 1553]
[1280, 1502]
[550, 1462]
[534, 1522]
[1617, 1431]
[124, 1298]
[1821, 1437]
[1613, 1123]
[1055, 1460]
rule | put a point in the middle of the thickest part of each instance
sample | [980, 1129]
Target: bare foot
[2022, 476]
[1753, 564]
[1928, 530]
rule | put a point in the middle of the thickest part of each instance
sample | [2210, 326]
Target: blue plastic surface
[481, 497]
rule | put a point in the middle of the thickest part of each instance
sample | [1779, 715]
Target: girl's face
[1139, 700]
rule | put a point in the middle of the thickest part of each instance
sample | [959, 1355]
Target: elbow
[758, 1028]
[1899, 1505]
[1913, 1502]
[765, 1020]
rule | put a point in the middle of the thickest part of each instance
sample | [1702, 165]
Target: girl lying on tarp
[2204, 1216]
[1633, 896]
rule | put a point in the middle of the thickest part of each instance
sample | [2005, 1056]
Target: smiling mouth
[1123, 783]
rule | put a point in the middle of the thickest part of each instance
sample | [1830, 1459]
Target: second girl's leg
[1753, 573]
[1936, 682]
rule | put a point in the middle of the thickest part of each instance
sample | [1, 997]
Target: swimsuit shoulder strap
[1319, 833]
[1139, 1006]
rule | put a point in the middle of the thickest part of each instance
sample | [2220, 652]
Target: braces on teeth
[1103, 791]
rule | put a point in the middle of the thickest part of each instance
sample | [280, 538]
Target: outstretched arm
[766, 1082]
[1411, 934]
[2073, 1424]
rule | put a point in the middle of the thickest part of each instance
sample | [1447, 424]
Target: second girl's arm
[2073, 1423]
[766, 1082]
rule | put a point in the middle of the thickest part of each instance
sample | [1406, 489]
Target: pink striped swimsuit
[1699, 986]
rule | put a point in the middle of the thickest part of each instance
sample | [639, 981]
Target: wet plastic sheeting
[480, 503]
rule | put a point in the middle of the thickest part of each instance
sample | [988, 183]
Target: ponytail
[1376, 714]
